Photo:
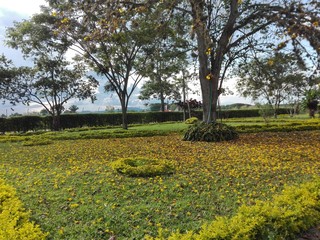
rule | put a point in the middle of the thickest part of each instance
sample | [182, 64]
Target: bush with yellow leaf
[14, 219]
[284, 217]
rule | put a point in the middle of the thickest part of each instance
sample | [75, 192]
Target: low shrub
[142, 167]
[295, 126]
[14, 219]
[192, 120]
[284, 217]
[210, 132]
[37, 142]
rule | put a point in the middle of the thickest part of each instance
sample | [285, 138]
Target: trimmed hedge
[296, 210]
[143, 167]
[14, 219]
[241, 113]
[68, 121]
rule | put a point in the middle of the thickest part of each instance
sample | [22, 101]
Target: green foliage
[14, 219]
[210, 132]
[69, 121]
[266, 111]
[37, 142]
[192, 120]
[52, 81]
[142, 167]
[241, 113]
[273, 79]
[284, 217]
[22, 124]
[279, 127]
[74, 193]
[73, 108]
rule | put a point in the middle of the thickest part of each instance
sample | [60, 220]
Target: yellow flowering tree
[228, 30]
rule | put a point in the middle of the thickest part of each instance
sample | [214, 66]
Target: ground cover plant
[74, 193]
[143, 167]
[14, 219]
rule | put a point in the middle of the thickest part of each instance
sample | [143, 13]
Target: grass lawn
[73, 192]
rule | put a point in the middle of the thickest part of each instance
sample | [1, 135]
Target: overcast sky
[17, 10]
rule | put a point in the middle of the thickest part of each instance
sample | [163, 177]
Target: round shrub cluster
[142, 167]
[192, 120]
[210, 132]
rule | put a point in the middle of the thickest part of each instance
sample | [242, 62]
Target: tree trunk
[210, 83]
[56, 122]
[203, 72]
[184, 95]
[124, 108]
[162, 101]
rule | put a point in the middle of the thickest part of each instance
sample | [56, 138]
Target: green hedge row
[34, 123]
[243, 113]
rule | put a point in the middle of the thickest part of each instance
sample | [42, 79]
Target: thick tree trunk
[203, 43]
[56, 122]
[210, 83]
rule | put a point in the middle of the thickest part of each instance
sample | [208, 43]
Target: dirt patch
[312, 234]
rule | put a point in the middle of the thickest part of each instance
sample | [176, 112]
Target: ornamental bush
[192, 120]
[210, 132]
[14, 220]
[284, 217]
[142, 167]
[37, 142]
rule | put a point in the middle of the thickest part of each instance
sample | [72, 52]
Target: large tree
[168, 60]
[115, 37]
[51, 81]
[274, 80]
[161, 69]
[7, 73]
[227, 30]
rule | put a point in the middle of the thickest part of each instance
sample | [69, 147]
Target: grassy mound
[210, 132]
[142, 167]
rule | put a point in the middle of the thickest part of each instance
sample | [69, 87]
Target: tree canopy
[227, 31]
[274, 80]
[120, 40]
[52, 81]
[116, 38]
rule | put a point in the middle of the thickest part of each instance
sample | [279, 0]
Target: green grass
[282, 123]
[73, 192]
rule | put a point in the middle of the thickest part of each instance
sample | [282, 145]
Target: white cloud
[21, 7]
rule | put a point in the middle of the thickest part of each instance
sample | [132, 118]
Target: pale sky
[21, 7]
[18, 10]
